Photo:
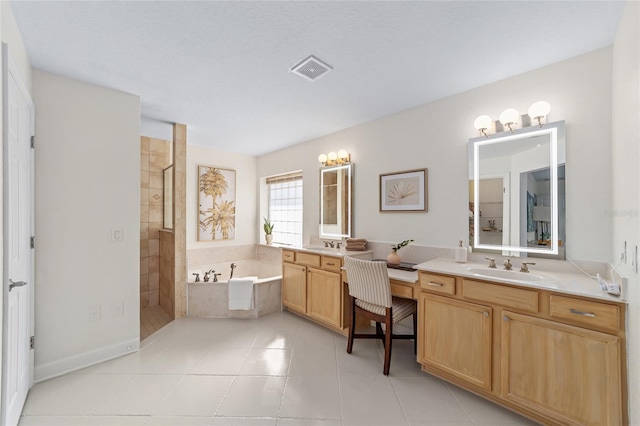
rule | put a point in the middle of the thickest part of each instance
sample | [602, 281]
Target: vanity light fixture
[509, 117]
[334, 158]
[482, 124]
[539, 110]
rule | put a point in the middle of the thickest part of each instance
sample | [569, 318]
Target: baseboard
[85, 359]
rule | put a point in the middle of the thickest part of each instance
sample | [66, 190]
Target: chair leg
[388, 337]
[415, 333]
[379, 332]
[352, 326]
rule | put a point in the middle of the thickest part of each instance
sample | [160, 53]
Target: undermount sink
[324, 250]
[502, 273]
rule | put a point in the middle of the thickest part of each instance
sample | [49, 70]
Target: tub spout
[233, 266]
[215, 277]
[206, 275]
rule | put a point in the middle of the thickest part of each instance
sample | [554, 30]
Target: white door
[17, 359]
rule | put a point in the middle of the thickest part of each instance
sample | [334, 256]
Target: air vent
[311, 68]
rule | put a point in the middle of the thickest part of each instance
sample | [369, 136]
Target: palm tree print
[217, 217]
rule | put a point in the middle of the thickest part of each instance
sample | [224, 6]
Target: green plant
[268, 226]
[400, 245]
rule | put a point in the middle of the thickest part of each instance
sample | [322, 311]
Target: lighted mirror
[517, 192]
[335, 201]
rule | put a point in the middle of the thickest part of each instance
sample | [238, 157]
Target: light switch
[117, 235]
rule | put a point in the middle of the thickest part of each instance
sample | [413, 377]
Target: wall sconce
[482, 124]
[539, 110]
[510, 117]
[332, 158]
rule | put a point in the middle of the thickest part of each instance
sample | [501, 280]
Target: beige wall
[626, 177]
[435, 136]
[154, 158]
[87, 184]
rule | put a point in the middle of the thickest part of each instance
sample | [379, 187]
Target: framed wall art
[404, 191]
[216, 203]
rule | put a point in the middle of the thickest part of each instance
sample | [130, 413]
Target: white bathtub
[210, 299]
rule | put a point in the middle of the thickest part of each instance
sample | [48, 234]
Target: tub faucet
[492, 262]
[328, 244]
[197, 277]
[507, 264]
[524, 267]
[215, 277]
[206, 275]
[233, 266]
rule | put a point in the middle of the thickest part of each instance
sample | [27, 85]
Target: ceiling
[222, 68]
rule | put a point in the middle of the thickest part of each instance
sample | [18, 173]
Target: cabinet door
[324, 296]
[568, 373]
[455, 337]
[294, 287]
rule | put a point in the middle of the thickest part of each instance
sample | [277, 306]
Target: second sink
[501, 273]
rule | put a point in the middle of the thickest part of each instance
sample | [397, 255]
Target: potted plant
[394, 257]
[268, 230]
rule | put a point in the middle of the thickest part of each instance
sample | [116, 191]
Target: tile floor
[276, 370]
[152, 319]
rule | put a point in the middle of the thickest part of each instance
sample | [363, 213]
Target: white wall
[87, 183]
[246, 195]
[625, 207]
[435, 136]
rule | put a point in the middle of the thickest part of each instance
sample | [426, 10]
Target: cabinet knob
[505, 318]
[485, 314]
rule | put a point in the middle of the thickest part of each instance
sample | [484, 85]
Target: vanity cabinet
[554, 357]
[312, 286]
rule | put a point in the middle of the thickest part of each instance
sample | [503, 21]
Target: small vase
[393, 258]
[269, 239]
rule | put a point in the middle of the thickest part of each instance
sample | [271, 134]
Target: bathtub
[210, 299]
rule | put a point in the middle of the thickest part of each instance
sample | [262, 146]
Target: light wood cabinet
[556, 358]
[312, 286]
[456, 338]
[324, 296]
[294, 287]
[570, 374]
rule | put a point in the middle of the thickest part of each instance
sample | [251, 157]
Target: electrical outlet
[117, 309]
[93, 313]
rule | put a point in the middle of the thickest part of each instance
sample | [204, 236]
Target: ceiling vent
[311, 68]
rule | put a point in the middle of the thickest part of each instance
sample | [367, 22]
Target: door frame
[9, 67]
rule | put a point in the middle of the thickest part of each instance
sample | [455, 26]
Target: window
[285, 207]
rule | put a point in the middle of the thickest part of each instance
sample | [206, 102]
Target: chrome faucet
[492, 262]
[524, 267]
[197, 277]
[329, 244]
[206, 275]
[507, 264]
[338, 245]
[233, 266]
[215, 277]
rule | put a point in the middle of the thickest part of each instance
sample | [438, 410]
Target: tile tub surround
[210, 300]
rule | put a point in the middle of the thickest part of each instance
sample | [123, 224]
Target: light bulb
[332, 156]
[322, 158]
[539, 110]
[343, 154]
[482, 123]
[509, 117]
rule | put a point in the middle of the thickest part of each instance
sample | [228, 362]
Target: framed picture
[216, 203]
[404, 191]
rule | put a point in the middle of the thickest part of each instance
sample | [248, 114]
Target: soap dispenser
[461, 253]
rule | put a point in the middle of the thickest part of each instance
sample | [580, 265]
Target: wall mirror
[335, 201]
[517, 192]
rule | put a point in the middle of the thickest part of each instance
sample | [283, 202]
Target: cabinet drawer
[331, 263]
[585, 312]
[437, 283]
[402, 290]
[308, 259]
[288, 256]
[526, 300]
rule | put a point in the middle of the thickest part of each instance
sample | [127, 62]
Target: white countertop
[400, 275]
[576, 283]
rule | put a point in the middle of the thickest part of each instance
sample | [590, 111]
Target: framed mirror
[516, 192]
[335, 201]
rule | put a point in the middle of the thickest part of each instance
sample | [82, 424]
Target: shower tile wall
[154, 157]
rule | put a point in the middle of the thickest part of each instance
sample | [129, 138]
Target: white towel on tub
[241, 293]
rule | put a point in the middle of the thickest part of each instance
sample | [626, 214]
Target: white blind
[285, 207]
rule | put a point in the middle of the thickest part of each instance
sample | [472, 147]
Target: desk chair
[370, 297]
